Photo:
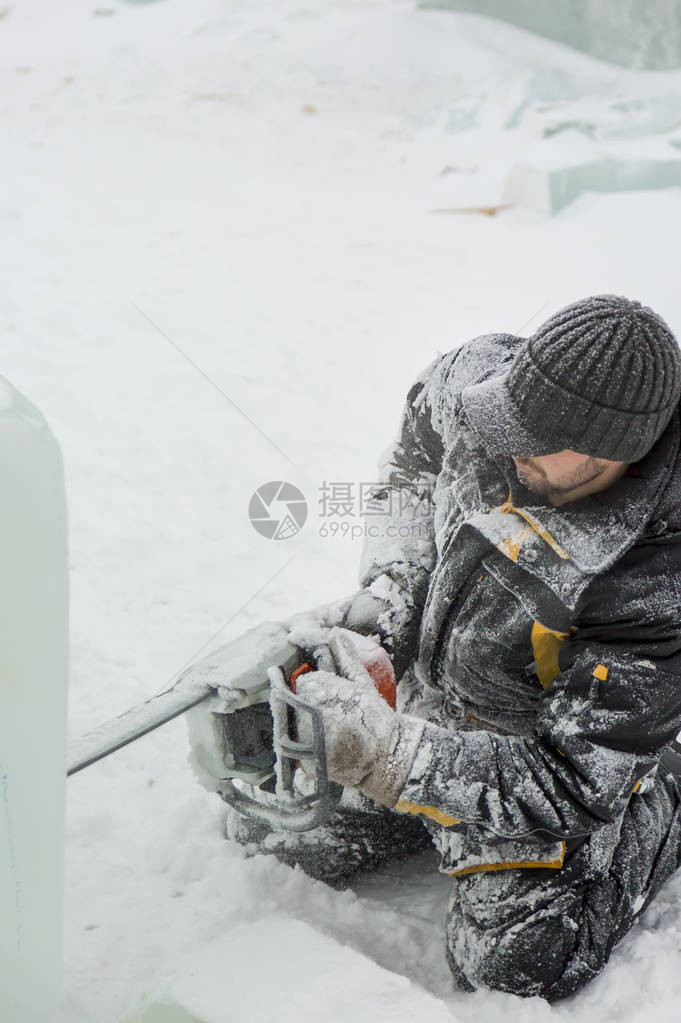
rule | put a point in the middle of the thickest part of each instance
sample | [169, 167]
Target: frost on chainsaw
[238, 672]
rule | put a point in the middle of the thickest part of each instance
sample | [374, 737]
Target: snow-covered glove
[310, 630]
[370, 614]
[360, 617]
[368, 745]
[364, 612]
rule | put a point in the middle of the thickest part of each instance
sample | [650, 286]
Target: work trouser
[525, 931]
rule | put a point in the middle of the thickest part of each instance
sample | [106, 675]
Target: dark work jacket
[542, 644]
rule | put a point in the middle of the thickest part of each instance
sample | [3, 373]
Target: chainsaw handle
[288, 810]
[287, 748]
[291, 812]
[302, 669]
[296, 817]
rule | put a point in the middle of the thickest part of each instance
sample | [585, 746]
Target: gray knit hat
[602, 377]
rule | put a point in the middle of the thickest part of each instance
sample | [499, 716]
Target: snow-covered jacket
[542, 644]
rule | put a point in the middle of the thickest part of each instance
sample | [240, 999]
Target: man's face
[558, 475]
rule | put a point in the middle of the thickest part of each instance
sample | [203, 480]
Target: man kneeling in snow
[530, 596]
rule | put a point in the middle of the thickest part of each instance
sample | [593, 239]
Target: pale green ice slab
[632, 33]
[550, 189]
[33, 680]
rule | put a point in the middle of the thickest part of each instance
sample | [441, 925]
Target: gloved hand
[368, 746]
[371, 615]
[310, 630]
[363, 613]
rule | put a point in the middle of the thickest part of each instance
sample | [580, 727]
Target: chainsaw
[244, 720]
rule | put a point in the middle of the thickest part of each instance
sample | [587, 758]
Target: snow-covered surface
[339, 981]
[260, 179]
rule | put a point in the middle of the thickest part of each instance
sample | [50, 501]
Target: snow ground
[259, 178]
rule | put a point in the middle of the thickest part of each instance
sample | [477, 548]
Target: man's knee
[529, 952]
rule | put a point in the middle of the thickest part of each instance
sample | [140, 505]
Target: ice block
[33, 683]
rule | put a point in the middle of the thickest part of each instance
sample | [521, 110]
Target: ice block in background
[645, 36]
[33, 683]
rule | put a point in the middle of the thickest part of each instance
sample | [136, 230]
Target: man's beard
[535, 479]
